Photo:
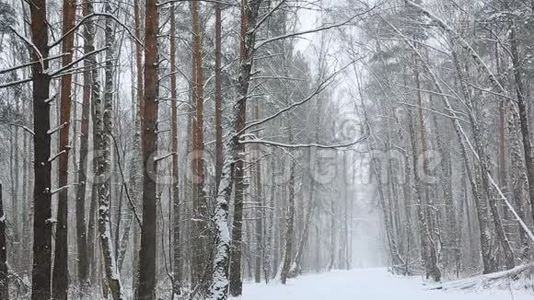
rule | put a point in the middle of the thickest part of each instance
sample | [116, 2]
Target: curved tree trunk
[104, 126]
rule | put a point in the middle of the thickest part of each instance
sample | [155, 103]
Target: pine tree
[60, 280]
[42, 210]
[146, 288]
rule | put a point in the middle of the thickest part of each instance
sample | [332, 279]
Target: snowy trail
[366, 284]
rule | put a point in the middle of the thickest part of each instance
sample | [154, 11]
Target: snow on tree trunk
[426, 220]
[200, 230]
[219, 159]
[523, 117]
[96, 115]
[290, 220]
[219, 285]
[458, 41]
[104, 127]
[249, 15]
[518, 178]
[427, 251]
[176, 248]
[4, 275]
[137, 159]
[259, 210]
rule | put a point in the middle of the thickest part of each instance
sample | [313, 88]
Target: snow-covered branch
[307, 145]
[85, 19]
[55, 73]
[30, 63]
[315, 30]
[157, 159]
[32, 45]
[318, 90]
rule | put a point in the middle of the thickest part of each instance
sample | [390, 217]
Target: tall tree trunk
[218, 96]
[27, 205]
[421, 218]
[14, 165]
[236, 282]
[502, 153]
[407, 193]
[24, 235]
[4, 275]
[42, 225]
[333, 240]
[290, 220]
[519, 178]
[118, 214]
[390, 204]
[296, 269]
[347, 220]
[200, 207]
[81, 230]
[523, 117]
[146, 288]
[259, 210]
[430, 259]
[96, 102]
[12, 174]
[451, 230]
[177, 253]
[104, 127]
[219, 284]
[270, 257]
[60, 280]
[303, 240]
[138, 173]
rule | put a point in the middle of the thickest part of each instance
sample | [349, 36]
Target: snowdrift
[518, 278]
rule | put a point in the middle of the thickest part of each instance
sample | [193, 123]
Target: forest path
[365, 284]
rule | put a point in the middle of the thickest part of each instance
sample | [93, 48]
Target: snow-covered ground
[367, 284]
